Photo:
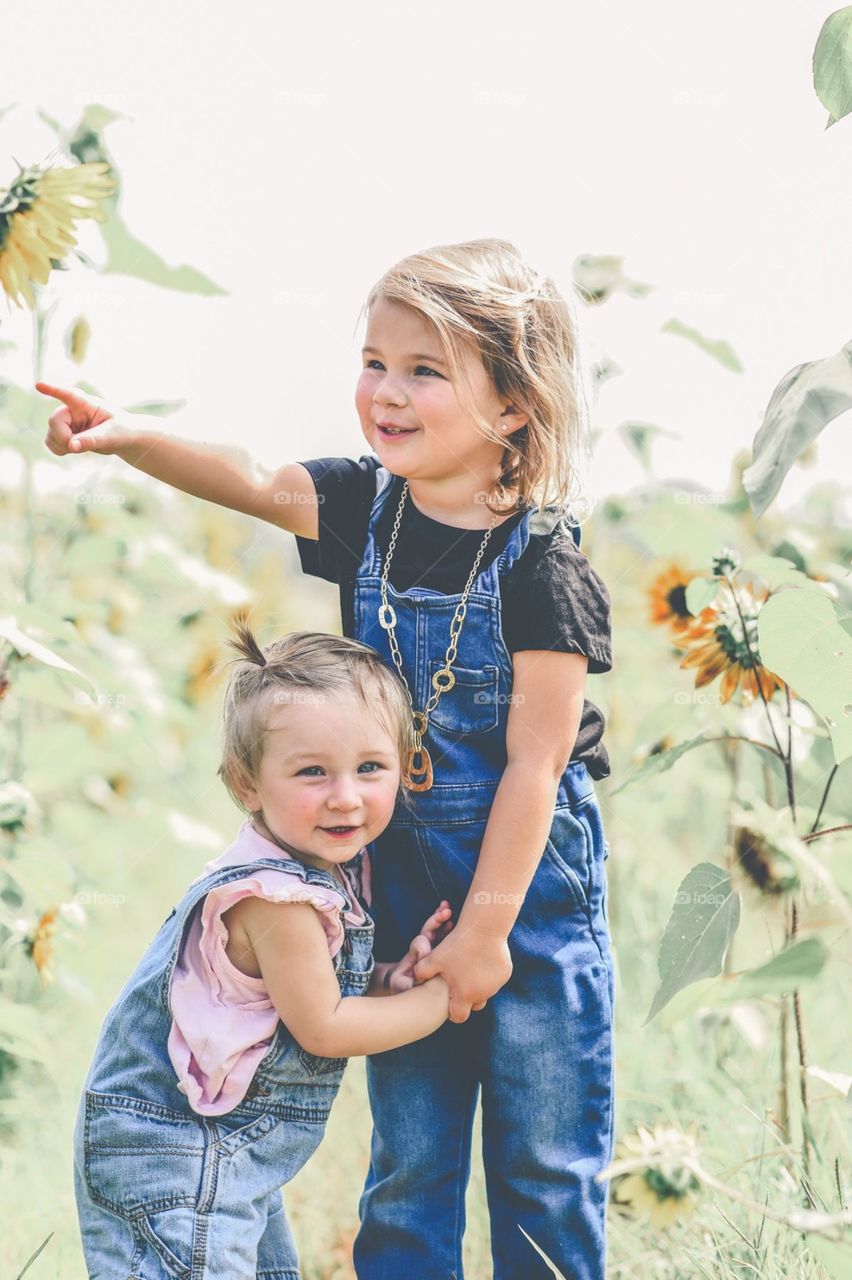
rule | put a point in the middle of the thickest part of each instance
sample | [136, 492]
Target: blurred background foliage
[729, 909]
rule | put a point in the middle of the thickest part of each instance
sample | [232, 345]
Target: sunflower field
[728, 810]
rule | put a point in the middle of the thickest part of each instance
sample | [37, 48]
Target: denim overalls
[163, 1192]
[541, 1050]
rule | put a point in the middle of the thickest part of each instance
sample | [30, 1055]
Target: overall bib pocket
[567, 848]
[472, 705]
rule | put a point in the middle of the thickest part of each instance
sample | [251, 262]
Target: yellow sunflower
[716, 642]
[652, 1174]
[667, 598]
[37, 216]
[40, 946]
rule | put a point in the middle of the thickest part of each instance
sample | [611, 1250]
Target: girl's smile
[413, 419]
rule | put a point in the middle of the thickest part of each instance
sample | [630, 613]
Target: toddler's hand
[400, 977]
[83, 424]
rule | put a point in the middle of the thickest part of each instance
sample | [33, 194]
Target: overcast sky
[293, 153]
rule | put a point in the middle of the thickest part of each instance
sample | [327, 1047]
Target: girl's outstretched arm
[221, 473]
[291, 949]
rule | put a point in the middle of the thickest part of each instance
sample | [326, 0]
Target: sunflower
[667, 595]
[653, 1174]
[40, 946]
[717, 642]
[37, 215]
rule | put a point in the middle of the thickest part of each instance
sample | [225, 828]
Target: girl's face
[405, 382]
[326, 763]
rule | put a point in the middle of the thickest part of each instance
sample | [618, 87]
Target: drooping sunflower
[40, 945]
[717, 642]
[652, 1174]
[667, 598]
[37, 216]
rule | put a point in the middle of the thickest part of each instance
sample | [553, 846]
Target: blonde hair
[483, 296]
[304, 661]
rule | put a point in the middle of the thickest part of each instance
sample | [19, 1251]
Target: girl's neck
[459, 510]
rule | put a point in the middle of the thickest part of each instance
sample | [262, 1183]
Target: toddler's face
[326, 763]
[398, 385]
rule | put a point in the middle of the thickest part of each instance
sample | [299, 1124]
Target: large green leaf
[703, 921]
[801, 962]
[28, 647]
[805, 400]
[800, 638]
[129, 256]
[832, 64]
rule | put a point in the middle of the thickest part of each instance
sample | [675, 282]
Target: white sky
[294, 153]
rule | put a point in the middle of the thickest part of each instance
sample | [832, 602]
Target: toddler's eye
[308, 768]
[372, 764]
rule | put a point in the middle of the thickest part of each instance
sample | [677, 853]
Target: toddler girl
[216, 1067]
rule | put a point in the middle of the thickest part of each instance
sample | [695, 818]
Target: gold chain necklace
[419, 762]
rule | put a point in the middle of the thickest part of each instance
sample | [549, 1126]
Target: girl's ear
[512, 420]
[245, 789]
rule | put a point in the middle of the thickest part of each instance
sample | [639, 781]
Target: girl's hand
[83, 424]
[400, 976]
[476, 965]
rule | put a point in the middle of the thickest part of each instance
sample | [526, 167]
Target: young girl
[454, 563]
[217, 1065]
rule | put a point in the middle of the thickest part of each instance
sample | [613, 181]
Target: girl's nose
[345, 795]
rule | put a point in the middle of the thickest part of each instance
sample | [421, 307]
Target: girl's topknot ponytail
[245, 643]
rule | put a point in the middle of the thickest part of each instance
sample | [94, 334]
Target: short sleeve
[345, 492]
[274, 886]
[554, 599]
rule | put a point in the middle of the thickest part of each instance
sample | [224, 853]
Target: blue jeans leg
[423, 1098]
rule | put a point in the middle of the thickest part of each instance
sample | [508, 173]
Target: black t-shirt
[551, 596]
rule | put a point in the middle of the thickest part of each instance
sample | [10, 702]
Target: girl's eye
[369, 764]
[420, 366]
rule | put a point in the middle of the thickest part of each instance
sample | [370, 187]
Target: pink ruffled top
[223, 1020]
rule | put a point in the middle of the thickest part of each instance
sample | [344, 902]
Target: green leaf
[717, 348]
[804, 401]
[599, 276]
[21, 1033]
[130, 257]
[28, 647]
[639, 436]
[801, 962]
[777, 572]
[703, 921]
[832, 64]
[157, 408]
[834, 1255]
[661, 761]
[800, 639]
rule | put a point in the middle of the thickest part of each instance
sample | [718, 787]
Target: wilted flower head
[37, 216]
[727, 561]
[653, 1173]
[40, 946]
[766, 866]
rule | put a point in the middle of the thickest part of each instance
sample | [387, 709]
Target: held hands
[400, 976]
[83, 424]
[474, 964]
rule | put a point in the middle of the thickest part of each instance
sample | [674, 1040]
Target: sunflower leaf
[801, 639]
[662, 761]
[804, 401]
[832, 64]
[704, 918]
[801, 962]
[717, 348]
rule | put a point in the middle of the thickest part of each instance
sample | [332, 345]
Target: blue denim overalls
[163, 1192]
[541, 1050]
